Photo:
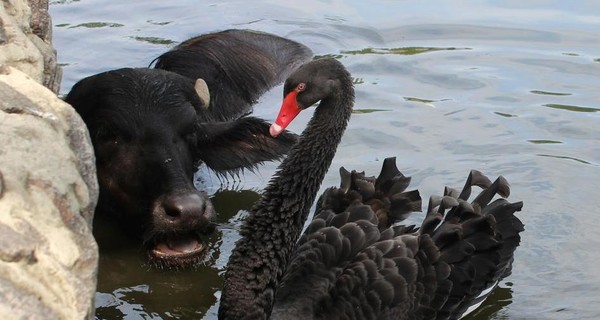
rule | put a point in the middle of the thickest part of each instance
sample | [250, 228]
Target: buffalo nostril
[184, 205]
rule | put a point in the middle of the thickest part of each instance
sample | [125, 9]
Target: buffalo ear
[202, 90]
[240, 144]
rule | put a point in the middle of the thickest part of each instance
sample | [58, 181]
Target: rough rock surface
[25, 41]
[48, 190]
[48, 186]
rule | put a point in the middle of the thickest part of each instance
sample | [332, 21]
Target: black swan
[354, 261]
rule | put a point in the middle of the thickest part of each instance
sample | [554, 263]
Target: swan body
[356, 260]
[353, 262]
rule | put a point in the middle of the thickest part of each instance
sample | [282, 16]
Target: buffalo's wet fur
[152, 127]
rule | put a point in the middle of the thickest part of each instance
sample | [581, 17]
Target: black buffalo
[152, 127]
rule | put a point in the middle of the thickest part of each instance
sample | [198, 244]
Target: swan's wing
[345, 237]
[232, 146]
[237, 65]
[346, 267]
[386, 195]
[476, 239]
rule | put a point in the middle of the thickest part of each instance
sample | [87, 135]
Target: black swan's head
[315, 81]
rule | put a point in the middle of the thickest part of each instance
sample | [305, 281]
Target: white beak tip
[275, 129]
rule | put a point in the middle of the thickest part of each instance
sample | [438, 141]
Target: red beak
[289, 110]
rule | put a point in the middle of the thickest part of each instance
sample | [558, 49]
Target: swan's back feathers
[350, 265]
[386, 194]
[346, 268]
[477, 239]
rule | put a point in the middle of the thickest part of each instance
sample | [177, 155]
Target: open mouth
[176, 251]
[178, 247]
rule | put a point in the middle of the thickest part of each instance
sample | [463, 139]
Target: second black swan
[355, 261]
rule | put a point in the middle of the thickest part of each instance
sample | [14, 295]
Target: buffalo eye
[190, 135]
[105, 134]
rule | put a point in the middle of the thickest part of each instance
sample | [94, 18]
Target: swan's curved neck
[270, 232]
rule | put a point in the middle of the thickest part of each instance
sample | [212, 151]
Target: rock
[40, 23]
[25, 41]
[48, 192]
[48, 185]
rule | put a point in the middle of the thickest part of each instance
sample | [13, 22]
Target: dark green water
[506, 87]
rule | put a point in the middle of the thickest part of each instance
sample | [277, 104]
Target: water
[506, 87]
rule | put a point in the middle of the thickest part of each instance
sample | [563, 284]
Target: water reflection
[155, 40]
[550, 93]
[571, 108]
[493, 305]
[93, 25]
[564, 157]
[402, 51]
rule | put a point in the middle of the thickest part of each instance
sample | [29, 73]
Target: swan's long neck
[270, 232]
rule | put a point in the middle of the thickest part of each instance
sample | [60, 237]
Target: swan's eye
[301, 87]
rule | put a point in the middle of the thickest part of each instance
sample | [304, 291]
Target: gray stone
[23, 302]
[2, 36]
[48, 185]
[40, 23]
[25, 41]
[48, 191]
